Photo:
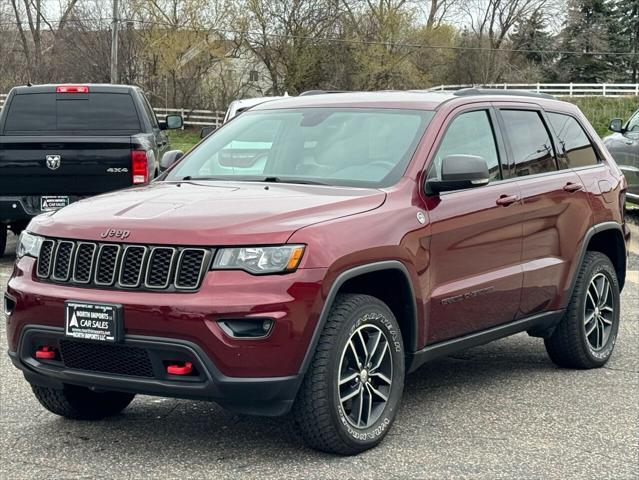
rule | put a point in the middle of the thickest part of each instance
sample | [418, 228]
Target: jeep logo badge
[112, 233]
[53, 161]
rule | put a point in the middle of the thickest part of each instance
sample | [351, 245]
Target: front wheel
[586, 336]
[352, 390]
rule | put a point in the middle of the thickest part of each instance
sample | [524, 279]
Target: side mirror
[171, 122]
[206, 131]
[458, 172]
[169, 158]
[616, 125]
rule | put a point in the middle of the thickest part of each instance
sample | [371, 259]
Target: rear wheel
[80, 403]
[586, 336]
[3, 238]
[352, 390]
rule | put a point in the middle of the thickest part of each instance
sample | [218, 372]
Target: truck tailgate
[86, 165]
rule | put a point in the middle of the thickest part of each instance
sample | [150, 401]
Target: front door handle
[506, 200]
[573, 187]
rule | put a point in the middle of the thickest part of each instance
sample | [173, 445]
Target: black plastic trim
[545, 321]
[339, 281]
[269, 396]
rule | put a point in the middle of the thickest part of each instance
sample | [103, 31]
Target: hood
[205, 213]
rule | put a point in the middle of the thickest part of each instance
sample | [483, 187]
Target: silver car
[624, 147]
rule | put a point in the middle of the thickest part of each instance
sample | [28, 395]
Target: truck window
[53, 112]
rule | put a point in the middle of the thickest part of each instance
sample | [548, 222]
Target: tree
[586, 32]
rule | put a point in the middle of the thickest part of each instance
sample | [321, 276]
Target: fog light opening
[247, 328]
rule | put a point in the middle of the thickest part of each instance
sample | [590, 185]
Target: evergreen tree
[624, 37]
[587, 30]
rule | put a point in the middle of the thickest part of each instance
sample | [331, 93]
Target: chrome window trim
[91, 265]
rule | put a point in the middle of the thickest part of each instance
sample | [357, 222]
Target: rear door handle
[573, 187]
[506, 200]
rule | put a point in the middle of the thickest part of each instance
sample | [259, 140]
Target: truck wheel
[586, 335]
[3, 239]
[351, 393]
[80, 403]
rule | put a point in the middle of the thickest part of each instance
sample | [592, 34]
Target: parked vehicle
[61, 143]
[238, 106]
[313, 251]
[623, 145]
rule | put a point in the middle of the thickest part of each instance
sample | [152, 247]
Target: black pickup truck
[61, 143]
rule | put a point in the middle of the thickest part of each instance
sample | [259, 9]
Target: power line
[248, 34]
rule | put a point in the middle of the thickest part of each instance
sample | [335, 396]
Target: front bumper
[248, 375]
[260, 396]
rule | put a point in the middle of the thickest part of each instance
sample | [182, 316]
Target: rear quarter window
[574, 144]
[55, 112]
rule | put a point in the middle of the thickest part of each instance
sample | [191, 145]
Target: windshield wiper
[291, 180]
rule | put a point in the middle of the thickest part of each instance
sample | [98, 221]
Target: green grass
[599, 110]
[184, 139]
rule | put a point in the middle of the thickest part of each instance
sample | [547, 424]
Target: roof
[93, 87]
[412, 99]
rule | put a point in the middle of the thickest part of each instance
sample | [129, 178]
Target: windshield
[331, 146]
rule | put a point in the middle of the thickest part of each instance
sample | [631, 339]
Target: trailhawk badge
[53, 161]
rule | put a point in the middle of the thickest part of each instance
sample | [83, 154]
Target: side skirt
[543, 322]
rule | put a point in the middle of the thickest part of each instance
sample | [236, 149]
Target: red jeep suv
[314, 250]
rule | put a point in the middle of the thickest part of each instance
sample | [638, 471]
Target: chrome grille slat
[123, 266]
[190, 267]
[107, 264]
[132, 268]
[62, 260]
[45, 257]
[83, 264]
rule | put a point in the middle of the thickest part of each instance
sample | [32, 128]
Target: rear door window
[573, 141]
[530, 142]
[53, 112]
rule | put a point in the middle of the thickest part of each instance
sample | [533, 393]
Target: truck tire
[586, 336]
[351, 393]
[80, 403]
[3, 239]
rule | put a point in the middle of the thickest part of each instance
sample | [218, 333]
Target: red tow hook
[180, 369]
[45, 353]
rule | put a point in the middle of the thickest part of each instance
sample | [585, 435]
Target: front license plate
[53, 202]
[93, 321]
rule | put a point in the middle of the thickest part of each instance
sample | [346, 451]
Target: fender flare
[591, 232]
[330, 299]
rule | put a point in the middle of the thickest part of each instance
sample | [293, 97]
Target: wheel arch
[359, 280]
[606, 238]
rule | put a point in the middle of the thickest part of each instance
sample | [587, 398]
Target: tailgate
[58, 165]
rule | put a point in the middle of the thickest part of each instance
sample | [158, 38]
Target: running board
[537, 325]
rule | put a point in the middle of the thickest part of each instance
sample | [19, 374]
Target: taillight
[139, 167]
[72, 89]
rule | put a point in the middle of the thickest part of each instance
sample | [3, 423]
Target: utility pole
[114, 43]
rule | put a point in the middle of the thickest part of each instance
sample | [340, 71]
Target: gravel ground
[497, 411]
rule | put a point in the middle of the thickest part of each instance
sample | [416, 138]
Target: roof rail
[467, 92]
[320, 92]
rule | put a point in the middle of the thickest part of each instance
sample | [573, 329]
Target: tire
[325, 422]
[570, 345]
[80, 403]
[3, 239]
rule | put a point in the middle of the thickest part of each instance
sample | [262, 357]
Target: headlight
[28, 244]
[284, 258]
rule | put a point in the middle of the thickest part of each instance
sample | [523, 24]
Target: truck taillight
[72, 89]
[139, 167]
